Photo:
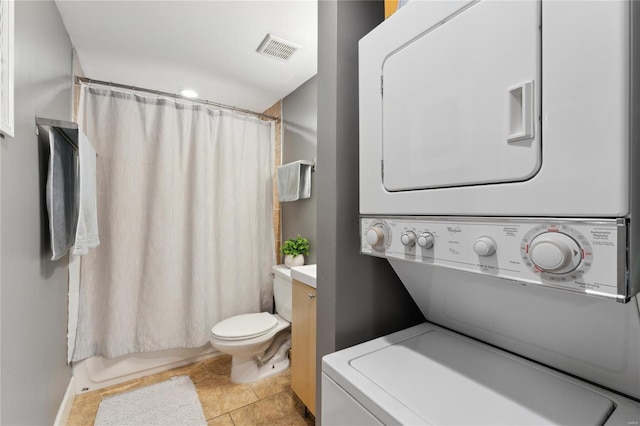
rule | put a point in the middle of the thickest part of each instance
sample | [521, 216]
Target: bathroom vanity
[303, 335]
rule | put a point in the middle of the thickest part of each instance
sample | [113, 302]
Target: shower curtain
[185, 218]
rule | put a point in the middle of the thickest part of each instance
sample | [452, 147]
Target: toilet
[259, 342]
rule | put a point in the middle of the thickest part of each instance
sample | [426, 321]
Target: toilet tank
[282, 290]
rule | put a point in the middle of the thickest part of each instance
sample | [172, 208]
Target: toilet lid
[244, 326]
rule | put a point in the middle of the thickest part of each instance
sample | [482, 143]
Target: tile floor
[268, 402]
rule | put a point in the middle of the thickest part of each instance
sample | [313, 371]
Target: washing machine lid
[245, 326]
[440, 378]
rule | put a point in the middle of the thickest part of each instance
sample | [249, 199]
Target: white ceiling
[209, 46]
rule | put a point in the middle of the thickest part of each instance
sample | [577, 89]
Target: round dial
[375, 236]
[484, 246]
[555, 252]
[378, 236]
[426, 240]
[408, 239]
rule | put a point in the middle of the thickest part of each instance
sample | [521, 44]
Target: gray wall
[34, 289]
[299, 142]
[359, 297]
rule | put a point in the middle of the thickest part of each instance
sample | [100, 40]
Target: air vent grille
[276, 47]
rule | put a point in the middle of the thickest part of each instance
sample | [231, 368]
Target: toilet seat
[245, 326]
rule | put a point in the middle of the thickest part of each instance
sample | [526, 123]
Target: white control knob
[375, 236]
[484, 246]
[555, 252]
[408, 239]
[426, 240]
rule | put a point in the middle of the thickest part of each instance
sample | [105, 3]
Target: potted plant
[294, 250]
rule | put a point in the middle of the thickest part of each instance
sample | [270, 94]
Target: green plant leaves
[295, 246]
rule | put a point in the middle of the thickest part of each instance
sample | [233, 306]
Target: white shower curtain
[185, 218]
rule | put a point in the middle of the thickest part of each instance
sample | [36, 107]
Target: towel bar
[62, 127]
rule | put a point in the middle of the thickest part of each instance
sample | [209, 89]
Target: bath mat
[172, 402]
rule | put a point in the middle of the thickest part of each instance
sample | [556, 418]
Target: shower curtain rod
[85, 80]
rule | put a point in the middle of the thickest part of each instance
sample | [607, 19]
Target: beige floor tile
[309, 419]
[266, 402]
[85, 406]
[224, 420]
[219, 365]
[197, 372]
[280, 409]
[273, 385]
[84, 409]
[82, 417]
[299, 408]
[88, 397]
[122, 387]
[219, 396]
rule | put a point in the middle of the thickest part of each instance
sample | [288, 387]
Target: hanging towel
[61, 195]
[294, 181]
[87, 229]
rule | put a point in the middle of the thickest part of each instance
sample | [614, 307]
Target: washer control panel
[578, 255]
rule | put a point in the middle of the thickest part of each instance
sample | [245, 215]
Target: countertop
[305, 274]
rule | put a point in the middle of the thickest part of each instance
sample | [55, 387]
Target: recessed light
[188, 93]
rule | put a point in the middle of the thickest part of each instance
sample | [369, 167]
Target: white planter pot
[290, 261]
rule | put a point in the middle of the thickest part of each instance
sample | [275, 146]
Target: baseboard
[62, 418]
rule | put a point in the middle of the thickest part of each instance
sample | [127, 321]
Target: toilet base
[245, 369]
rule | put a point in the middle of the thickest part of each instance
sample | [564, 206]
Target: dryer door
[461, 101]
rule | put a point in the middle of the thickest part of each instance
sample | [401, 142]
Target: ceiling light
[188, 93]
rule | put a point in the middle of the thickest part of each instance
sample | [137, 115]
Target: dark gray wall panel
[359, 297]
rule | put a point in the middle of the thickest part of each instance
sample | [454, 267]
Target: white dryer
[499, 108]
[497, 140]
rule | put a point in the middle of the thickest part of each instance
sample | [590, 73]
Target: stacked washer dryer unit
[499, 168]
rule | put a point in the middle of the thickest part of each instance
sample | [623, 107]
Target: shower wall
[275, 110]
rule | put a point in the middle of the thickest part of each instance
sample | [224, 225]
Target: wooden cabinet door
[303, 344]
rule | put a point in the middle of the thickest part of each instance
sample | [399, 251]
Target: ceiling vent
[276, 47]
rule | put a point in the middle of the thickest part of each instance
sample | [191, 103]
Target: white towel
[294, 181]
[87, 230]
[61, 201]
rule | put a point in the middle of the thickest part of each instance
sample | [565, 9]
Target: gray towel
[61, 195]
[87, 230]
[294, 181]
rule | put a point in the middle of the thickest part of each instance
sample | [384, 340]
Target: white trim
[7, 98]
[73, 304]
[62, 418]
